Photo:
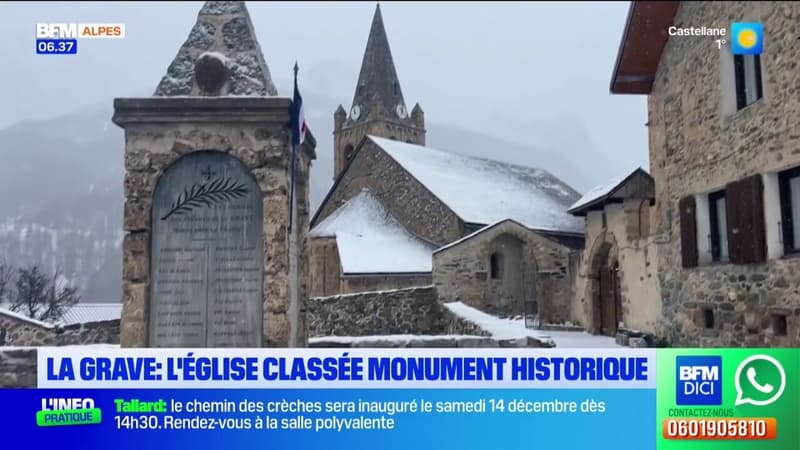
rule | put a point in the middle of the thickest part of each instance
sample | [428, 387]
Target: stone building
[395, 201]
[724, 153]
[616, 284]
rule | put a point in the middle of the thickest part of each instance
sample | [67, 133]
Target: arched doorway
[505, 288]
[605, 296]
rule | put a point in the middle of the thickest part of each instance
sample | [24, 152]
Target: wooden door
[608, 297]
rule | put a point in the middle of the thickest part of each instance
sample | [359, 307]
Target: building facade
[724, 148]
[616, 287]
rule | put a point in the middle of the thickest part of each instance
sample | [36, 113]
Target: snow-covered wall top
[371, 240]
[485, 191]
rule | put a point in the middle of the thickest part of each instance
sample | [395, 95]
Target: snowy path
[515, 328]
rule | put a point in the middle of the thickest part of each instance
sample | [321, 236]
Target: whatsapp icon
[760, 381]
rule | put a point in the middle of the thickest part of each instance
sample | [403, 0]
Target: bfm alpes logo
[759, 380]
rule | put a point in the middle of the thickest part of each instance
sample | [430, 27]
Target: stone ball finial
[211, 72]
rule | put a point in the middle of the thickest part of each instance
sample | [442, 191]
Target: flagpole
[294, 154]
[294, 277]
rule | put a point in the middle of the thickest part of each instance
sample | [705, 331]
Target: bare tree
[42, 297]
[6, 276]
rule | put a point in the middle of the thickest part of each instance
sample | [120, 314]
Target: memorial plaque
[206, 254]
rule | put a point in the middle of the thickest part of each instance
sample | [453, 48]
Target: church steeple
[378, 108]
[378, 90]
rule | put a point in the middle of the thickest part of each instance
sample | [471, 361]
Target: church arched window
[496, 265]
[348, 152]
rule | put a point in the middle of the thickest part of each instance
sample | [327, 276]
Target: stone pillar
[159, 131]
[206, 250]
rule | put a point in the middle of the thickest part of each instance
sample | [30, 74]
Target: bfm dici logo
[698, 380]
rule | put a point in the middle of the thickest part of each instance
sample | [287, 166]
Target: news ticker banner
[409, 398]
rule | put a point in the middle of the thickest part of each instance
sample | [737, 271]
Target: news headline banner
[93, 368]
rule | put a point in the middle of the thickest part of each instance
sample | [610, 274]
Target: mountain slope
[61, 184]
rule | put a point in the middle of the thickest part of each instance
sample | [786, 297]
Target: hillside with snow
[61, 186]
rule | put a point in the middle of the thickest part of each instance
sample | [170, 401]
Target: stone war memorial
[207, 247]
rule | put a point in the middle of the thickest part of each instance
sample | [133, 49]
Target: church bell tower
[378, 106]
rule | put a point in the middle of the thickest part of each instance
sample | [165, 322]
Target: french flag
[299, 125]
[299, 130]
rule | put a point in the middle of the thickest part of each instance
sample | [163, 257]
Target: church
[493, 235]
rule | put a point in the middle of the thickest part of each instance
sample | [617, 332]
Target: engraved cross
[208, 173]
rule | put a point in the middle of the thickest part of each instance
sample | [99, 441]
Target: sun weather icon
[747, 38]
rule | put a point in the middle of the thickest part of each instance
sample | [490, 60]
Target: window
[348, 153]
[495, 261]
[395, 89]
[747, 71]
[718, 235]
[708, 318]
[789, 192]
[779, 324]
[605, 224]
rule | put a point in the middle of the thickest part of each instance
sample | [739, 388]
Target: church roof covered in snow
[633, 184]
[370, 240]
[483, 191]
[78, 313]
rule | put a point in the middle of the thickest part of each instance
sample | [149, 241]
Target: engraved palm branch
[206, 194]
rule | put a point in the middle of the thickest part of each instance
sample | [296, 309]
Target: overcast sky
[491, 66]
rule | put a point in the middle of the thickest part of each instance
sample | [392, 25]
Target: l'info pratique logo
[68, 411]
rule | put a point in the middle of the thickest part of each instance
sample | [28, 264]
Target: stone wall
[18, 368]
[403, 311]
[413, 205]
[698, 143]
[158, 131]
[627, 240]
[461, 272]
[19, 331]
[105, 332]
[351, 284]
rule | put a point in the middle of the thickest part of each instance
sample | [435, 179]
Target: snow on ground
[370, 240]
[14, 348]
[515, 329]
[528, 195]
[391, 338]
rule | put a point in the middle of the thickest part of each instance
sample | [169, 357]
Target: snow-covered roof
[600, 192]
[92, 312]
[80, 313]
[371, 240]
[484, 191]
[4, 310]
